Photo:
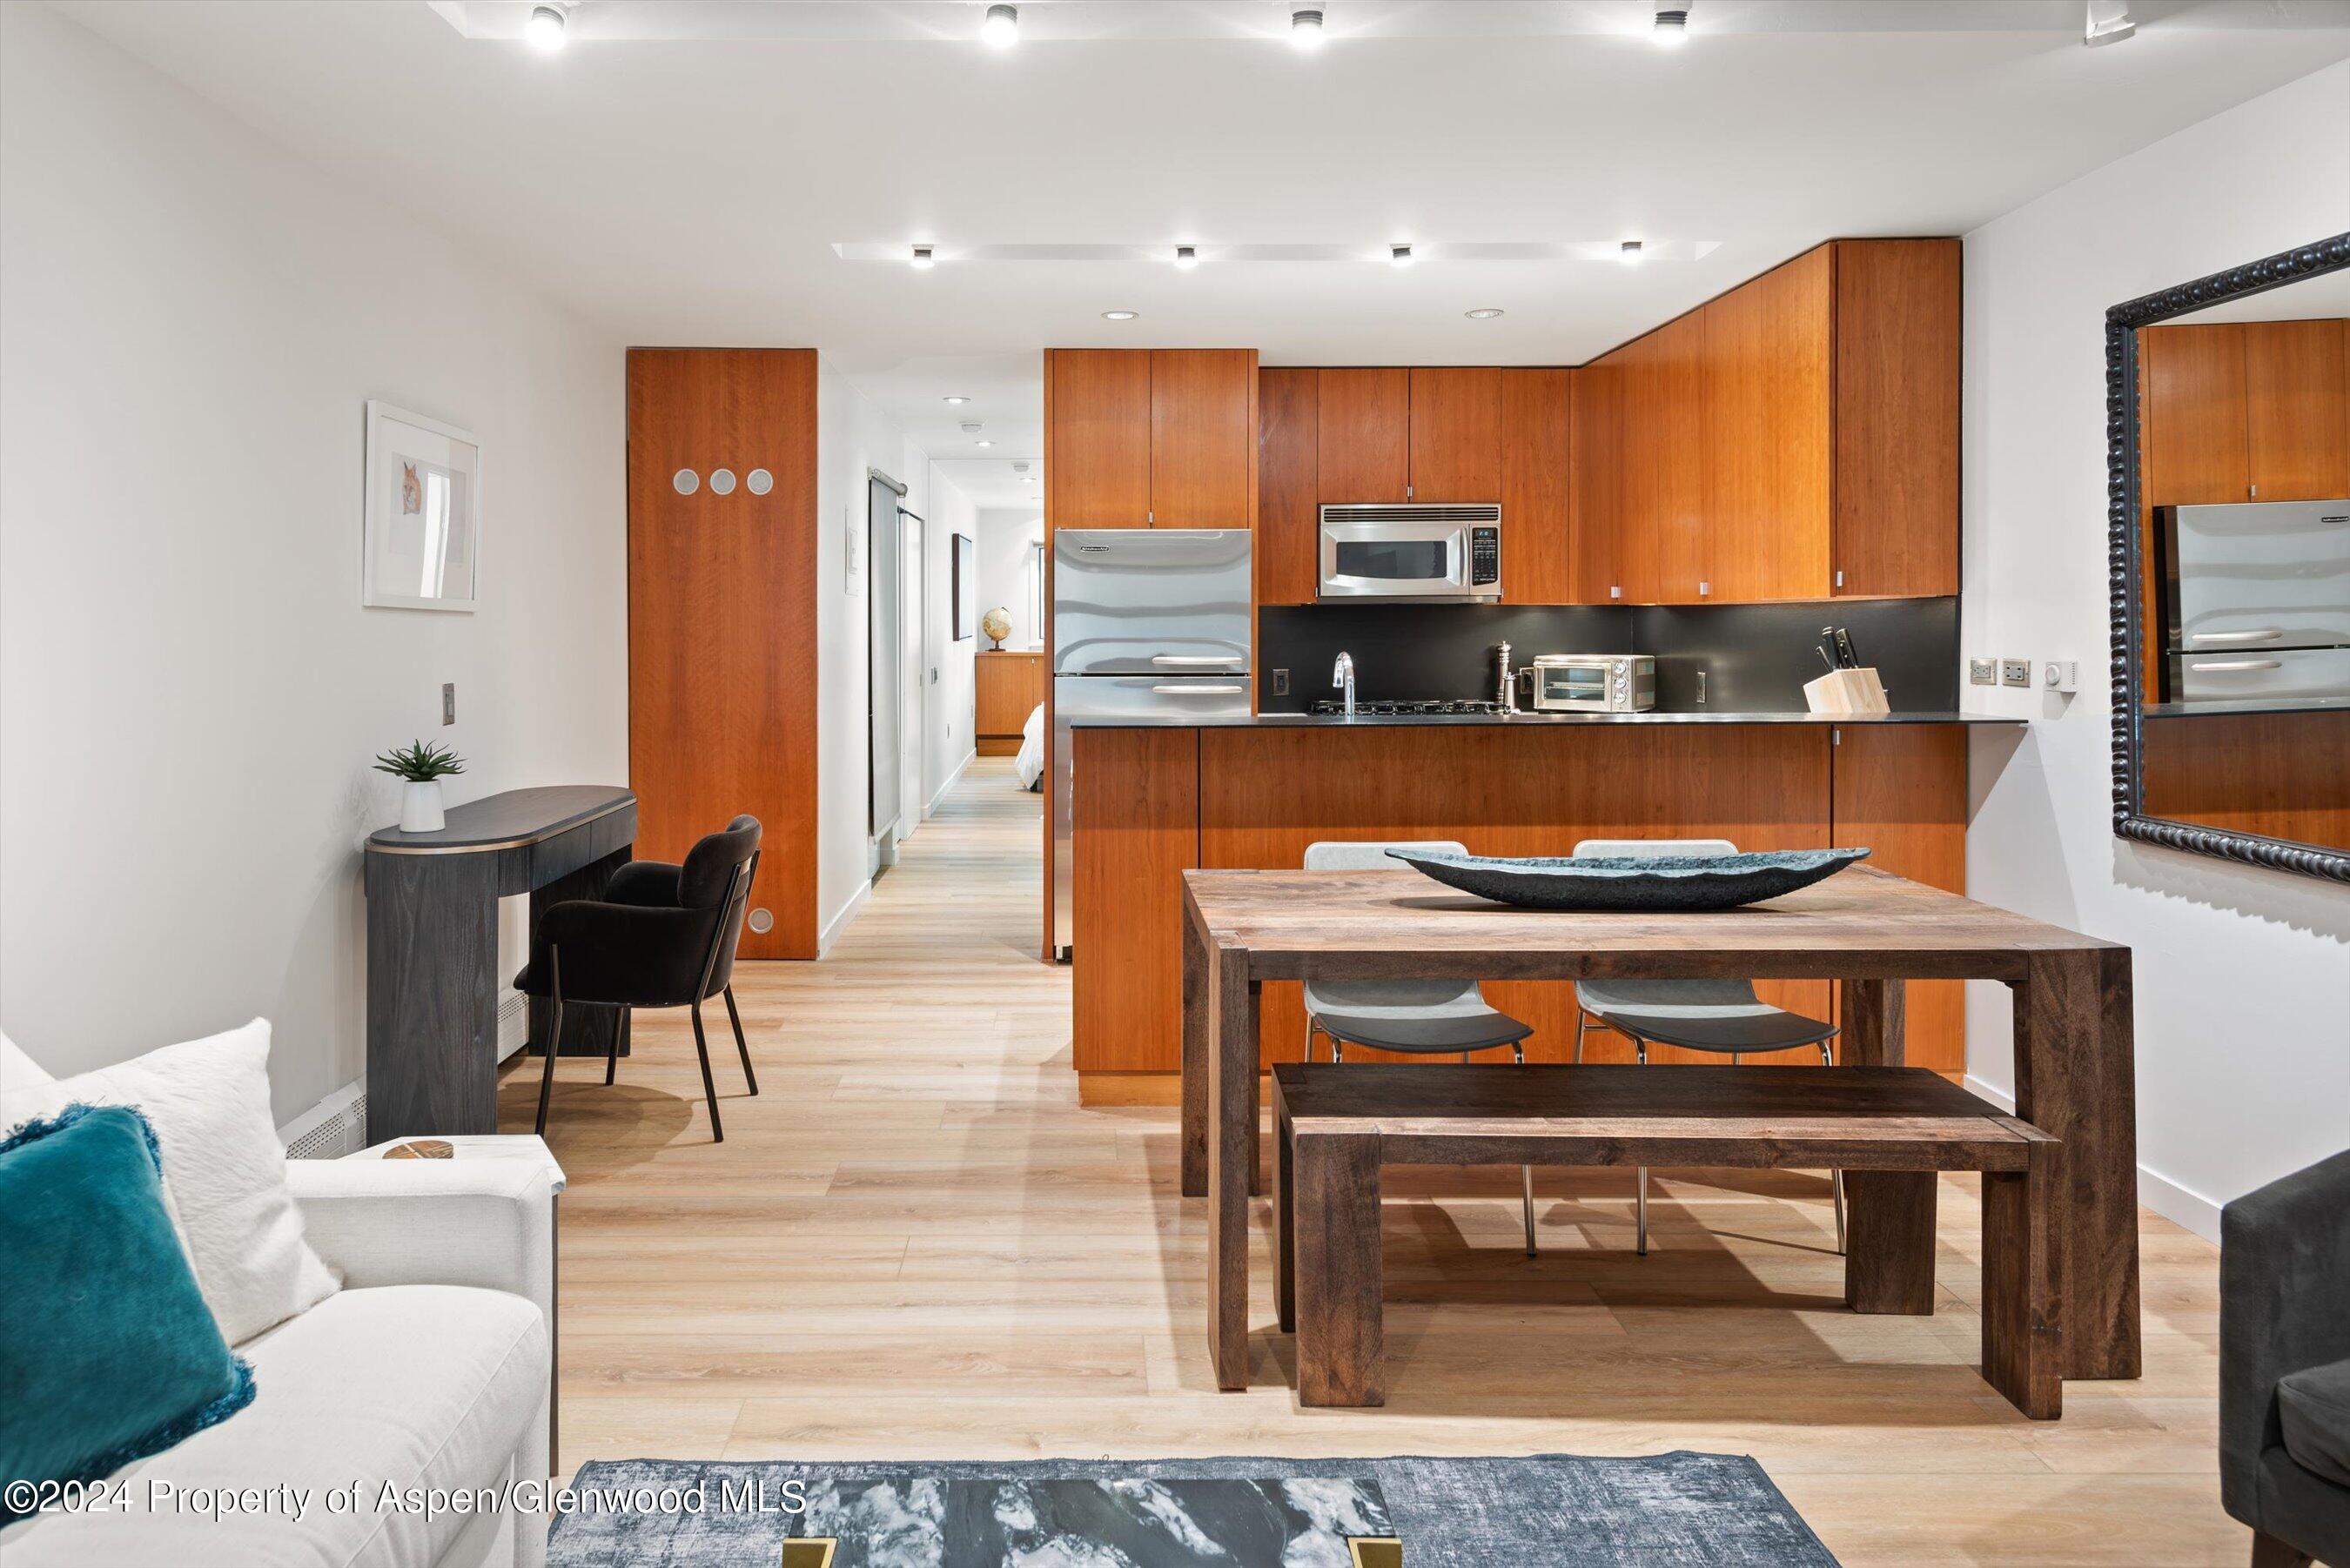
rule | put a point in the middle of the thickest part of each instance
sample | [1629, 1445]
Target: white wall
[2243, 975]
[1004, 539]
[190, 693]
[949, 720]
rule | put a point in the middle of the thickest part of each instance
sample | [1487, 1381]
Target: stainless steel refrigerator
[1145, 622]
[2255, 601]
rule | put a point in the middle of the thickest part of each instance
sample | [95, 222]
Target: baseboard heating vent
[513, 1023]
[335, 1127]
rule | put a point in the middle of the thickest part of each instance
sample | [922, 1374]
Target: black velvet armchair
[661, 935]
[2285, 1365]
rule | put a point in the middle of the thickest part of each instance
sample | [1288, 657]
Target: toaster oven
[1589, 683]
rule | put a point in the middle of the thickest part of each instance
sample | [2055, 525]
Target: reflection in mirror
[2244, 549]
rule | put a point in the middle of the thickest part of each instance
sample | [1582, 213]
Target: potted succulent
[424, 767]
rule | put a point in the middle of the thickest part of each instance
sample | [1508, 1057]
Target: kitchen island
[1154, 798]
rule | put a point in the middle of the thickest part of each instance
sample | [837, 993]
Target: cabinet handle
[2254, 489]
[2264, 634]
[1196, 691]
[1196, 658]
[1839, 582]
[1705, 590]
[2218, 664]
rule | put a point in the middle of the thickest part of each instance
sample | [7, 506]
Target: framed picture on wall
[966, 589]
[422, 543]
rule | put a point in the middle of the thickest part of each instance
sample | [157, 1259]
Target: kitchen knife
[1845, 654]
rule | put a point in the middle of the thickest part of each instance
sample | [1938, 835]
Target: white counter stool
[1418, 1017]
[1723, 1016]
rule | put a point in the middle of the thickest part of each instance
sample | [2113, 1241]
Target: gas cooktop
[1330, 707]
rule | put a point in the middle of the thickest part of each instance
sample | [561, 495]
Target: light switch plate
[448, 702]
[1982, 672]
[2015, 672]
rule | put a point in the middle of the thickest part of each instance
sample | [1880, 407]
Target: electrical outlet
[1982, 672]
[1280, 683]
[2015, 672]
[449, 702]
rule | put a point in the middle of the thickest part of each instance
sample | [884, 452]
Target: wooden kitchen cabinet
[1202, 438]
[1900, 791]
[1364, 434]
[1098, 421]
[1537, 497]
[1660, 521]
[1135, 823]
[1456, 435]
[2191, 417]
[1896, 418]
[1767, 460]
[1289, 485]
[2296, 426]
[1007, 685]
[1595, 564]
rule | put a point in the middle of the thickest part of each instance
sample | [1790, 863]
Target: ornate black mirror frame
[2123, 578]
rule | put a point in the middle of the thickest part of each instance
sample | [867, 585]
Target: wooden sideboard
[1008, 685]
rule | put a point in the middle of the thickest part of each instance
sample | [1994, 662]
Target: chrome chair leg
[1640, 1204]
[1309, 1039]
[1835, 1178]
[1582, 1026]
[1518, 1050]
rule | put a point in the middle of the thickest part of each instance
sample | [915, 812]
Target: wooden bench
[1890, 1129]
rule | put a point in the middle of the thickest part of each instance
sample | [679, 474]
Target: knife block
[1857, 693]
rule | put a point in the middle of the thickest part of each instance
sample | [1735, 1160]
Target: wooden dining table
[1872, 930]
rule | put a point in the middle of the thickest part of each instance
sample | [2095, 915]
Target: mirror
[2231, 518]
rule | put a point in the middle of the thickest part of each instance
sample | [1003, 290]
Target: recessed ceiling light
[1630, 251]
[1187, 257]
[1670, 28]
[1002, 27]
[1484, 313]
[1305, 26]
[1399, 256]
[1120, 315]
[983, 443]
[955, 398]
[545, 28]
[923, 260]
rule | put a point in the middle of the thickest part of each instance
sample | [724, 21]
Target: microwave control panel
[1484, 557]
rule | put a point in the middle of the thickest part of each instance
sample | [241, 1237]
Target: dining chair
[661, 935]
[1416, 1017]
[1723, 1016]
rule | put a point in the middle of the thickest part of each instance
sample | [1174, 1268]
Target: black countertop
[1515, 721]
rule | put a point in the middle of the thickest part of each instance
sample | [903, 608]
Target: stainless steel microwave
[1426, 552]
[1589, 683]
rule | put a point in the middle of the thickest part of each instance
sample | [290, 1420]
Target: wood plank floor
[915, 1244]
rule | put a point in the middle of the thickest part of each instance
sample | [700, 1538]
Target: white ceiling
[690, 187]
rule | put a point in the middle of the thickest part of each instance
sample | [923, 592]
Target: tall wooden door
[1537, 440]
[1364, 435]
[1097, 422]
[722, 616]
[1897, 418]
[1766, 436]
[2296, 428]
[1289, 479]
[1202, 438]
[1456, 434]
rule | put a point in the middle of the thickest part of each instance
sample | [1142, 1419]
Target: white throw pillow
[224, 1169]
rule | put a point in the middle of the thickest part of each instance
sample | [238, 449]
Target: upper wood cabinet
[1365, 423]
[2297, 424]
[1794, 438]
[1289, 485]
[2250, 411]
[1595, 564]
[1139, 436]
[1456, 435]
[1537, 496]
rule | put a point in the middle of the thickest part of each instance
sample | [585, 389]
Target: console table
[433, 946]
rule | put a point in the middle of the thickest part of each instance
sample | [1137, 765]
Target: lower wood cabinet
[1150, 803]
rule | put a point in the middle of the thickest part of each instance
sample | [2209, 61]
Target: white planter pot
[420, 807]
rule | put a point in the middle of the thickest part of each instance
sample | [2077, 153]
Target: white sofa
[430, 1368]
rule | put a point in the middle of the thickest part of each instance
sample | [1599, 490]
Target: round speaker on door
[763, 920]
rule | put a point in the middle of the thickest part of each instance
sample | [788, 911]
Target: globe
[997, 624]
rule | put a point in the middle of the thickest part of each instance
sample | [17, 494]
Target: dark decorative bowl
[1681, 883]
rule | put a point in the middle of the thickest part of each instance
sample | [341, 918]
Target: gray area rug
[1696, 1511]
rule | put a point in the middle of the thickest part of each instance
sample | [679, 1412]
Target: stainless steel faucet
[1342, 677]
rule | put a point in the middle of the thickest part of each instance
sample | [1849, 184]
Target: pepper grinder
[1506, 697]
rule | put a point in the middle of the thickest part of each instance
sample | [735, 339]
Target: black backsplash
[1754, 657]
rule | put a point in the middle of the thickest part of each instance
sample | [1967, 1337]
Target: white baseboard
[2155, 1191]
[840, 922]
[952, 779]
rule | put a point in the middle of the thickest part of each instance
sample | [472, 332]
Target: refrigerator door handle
[1196, 691]
[1209, 660]
[2261, 634]
[2208, 665]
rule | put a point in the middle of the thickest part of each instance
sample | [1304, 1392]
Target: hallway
[914, 1242]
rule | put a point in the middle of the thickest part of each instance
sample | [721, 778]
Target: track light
[1399, 256]
[1670, 28]
[1186, 257]
[1630, 253]
[1002, 27]
[1484, 313]
[957, 399]
[923, 260]
[1305, 28]
[2109, 22]
[1120, 315]
[545, 28]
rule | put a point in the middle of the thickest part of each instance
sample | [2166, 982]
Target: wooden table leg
[1889, 1264]
[1232, 1157]
[1195, 1055]
[1340, 1339]
[1284, 1214]
[2076, 1079]
[2023, 1309]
